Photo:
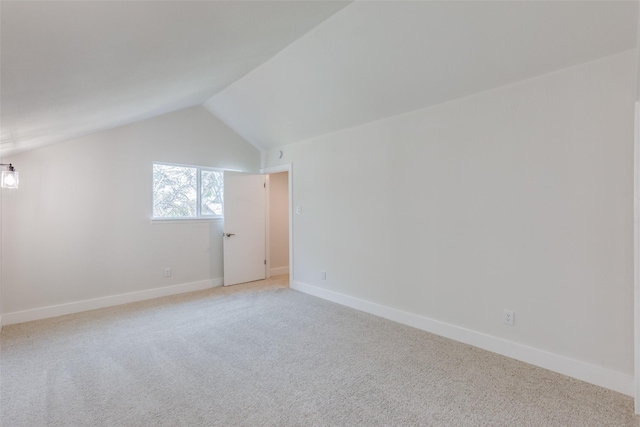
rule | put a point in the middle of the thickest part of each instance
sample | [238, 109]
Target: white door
[244, 228]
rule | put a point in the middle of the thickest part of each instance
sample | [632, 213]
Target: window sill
[184, 220]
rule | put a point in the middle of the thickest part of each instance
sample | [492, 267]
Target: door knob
[227, 234]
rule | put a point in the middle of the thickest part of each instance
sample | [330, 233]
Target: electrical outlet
[507, 317]
[298, 210]
[323, 275]
[167, 272]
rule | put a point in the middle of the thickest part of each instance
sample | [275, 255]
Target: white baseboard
[279, 271]
[92, 304]
[593, 374]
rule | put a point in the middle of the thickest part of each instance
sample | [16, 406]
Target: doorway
[258, 231]
[272, 262]
[277, 224]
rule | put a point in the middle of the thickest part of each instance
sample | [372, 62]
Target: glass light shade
[9, 179]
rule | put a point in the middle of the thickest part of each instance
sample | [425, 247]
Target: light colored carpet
[264, 355]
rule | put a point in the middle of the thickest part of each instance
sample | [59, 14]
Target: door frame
[288, 167]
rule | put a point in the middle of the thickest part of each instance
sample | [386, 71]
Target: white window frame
[199, 216]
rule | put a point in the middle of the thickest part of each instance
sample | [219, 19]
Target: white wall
[79, 226]
[520, 197]
[279, 222]
[638, 54]
[2, 190]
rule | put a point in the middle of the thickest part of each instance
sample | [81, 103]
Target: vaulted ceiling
[378, 59]
[277, 71]
[70, 68]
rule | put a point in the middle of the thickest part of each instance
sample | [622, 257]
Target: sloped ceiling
[277, 71]
[69, 68]
[377, 59]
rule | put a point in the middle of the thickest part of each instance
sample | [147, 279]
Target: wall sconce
[9, 178]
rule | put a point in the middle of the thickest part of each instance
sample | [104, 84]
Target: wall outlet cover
[508, 317]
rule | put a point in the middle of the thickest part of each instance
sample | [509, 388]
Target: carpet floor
[264, 355]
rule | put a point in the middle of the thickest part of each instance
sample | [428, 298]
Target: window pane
[212, 188]
[175, 191]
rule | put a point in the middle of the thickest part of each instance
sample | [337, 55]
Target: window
[186, 192]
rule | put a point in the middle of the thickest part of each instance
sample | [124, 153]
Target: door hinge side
[264, 185]
[265, 262]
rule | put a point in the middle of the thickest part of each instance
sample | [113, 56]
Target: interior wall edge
[636, 260]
